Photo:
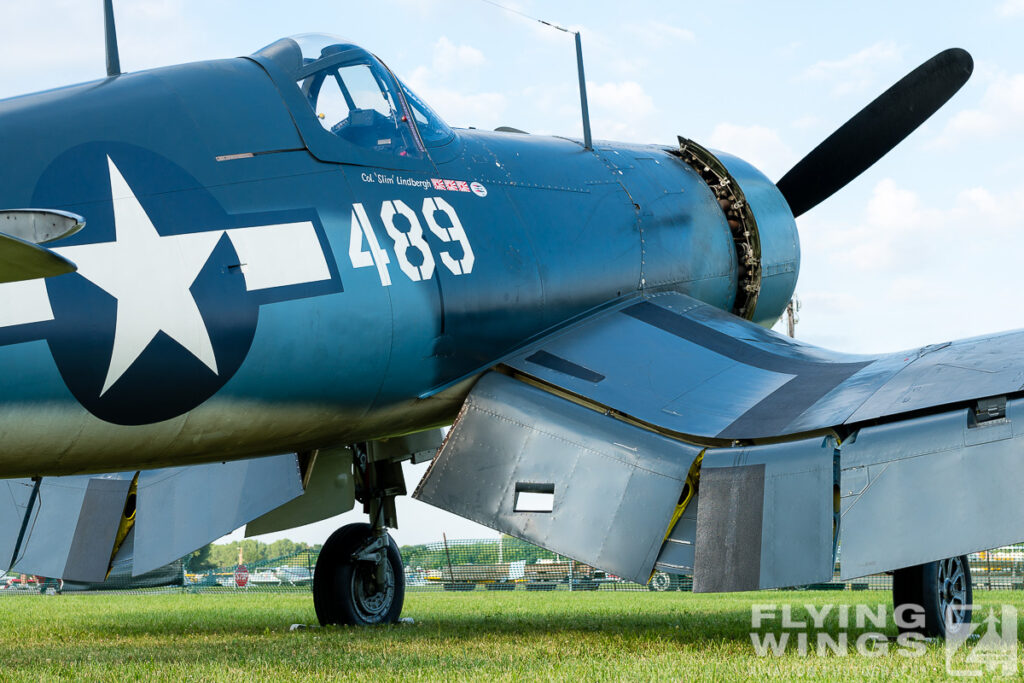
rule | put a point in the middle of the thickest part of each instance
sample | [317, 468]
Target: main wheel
[346, 591]
[938, 588]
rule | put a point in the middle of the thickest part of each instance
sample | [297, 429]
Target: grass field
[480, 636]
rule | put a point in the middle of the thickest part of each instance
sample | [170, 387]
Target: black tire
[344, 592]
[935, 586]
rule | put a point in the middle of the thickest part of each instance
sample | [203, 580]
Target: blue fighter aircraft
[205, 266]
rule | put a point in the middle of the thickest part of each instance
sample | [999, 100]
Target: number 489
[373, 255]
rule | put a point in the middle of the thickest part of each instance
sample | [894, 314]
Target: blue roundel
[164, 306]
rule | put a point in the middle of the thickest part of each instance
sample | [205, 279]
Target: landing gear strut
[935, 595]
[359, 579]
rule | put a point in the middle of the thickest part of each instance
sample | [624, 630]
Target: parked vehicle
[294, 576]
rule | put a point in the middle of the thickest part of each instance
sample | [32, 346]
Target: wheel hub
[952, 590]
[371, 598]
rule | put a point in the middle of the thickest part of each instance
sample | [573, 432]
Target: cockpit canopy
[354, 97]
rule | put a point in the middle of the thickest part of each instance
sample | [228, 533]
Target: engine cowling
[763, 231]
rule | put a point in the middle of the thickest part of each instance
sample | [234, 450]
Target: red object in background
[241, 576]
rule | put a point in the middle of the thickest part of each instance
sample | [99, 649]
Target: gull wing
[673, 435]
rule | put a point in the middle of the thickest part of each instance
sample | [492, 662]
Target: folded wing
[76, 527]
[773, 447]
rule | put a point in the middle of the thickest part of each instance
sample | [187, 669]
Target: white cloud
[1000, 111]
[458, 108]
[660, 33]
[857, 72]
[60, 42]
[908, 290]
[150, 10]
[449, 57]
[920, 269]
[893, 208]
[981, 200]
[759, 145]
[625, 99]
[891, 223]
[806, 122]
[444, 86]
[1011, 8]
[618, 110]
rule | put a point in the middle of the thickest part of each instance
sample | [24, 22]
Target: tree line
[216, 556]
[422, 556]
[433, 555]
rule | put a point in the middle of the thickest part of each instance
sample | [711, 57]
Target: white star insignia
[150, 276]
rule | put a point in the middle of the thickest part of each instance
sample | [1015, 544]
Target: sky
[922, 248]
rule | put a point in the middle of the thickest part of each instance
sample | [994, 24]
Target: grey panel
[952, 372]
[932, 487]
[419, 446]
[695, 370]
[96, 530]
[74, 522]
[778, 536]
[615, 485]
[14, 495]
[51, 528]
[330, 492]
[809, 379]
[677, 553]
[50, 535]
[184, 508]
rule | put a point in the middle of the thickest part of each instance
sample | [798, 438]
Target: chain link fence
[500, 564]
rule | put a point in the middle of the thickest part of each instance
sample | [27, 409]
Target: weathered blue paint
[561, 230]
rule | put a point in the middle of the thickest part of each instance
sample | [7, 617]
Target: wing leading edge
[697, 371]
[793, 444]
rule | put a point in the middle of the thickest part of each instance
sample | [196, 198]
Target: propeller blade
[875, 130]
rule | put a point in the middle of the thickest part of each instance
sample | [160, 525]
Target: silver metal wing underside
[909, 457]
[72, 527]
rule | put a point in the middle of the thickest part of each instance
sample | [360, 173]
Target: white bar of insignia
[24, 302]
[280, 255]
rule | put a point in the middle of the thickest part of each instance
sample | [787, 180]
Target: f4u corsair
[292, 253]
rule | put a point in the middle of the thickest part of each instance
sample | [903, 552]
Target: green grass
[479, 636]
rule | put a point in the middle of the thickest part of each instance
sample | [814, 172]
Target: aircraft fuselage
[280, 326]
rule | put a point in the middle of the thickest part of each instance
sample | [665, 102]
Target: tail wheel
[942, 590]
[356, 591]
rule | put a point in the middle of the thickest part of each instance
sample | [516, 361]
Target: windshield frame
[284, 62]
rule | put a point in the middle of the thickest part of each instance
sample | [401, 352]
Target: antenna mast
[110, 34]
[587, 142]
